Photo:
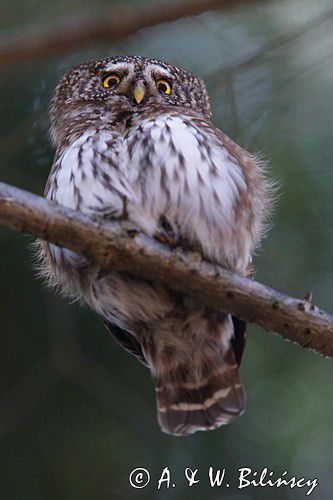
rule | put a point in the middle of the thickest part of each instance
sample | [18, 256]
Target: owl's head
[133, 83]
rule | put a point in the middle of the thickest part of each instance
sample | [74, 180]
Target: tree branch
[115, 24]
[115, 246]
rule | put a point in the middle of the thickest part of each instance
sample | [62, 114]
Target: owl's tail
[202, 393]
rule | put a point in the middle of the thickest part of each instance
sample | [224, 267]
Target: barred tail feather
[186, 407]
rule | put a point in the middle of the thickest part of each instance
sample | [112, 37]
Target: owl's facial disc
[131, 82]
[138, 82]
[150, 87]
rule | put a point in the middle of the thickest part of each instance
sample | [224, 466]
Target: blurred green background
[77, 413]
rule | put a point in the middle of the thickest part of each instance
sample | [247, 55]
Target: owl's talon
[167, 236]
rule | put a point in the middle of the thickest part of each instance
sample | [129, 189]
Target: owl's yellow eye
[111, 80]
[163, 86]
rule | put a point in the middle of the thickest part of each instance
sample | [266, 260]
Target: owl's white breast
[183, 171]
[170, 165]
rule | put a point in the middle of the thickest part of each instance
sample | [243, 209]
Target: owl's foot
[167, 235]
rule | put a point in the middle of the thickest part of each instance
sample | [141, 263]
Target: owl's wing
[239, 340]
[239, 154]
[126, 340]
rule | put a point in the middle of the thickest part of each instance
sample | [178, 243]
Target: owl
[134, 141]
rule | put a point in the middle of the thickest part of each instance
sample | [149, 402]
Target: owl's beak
[138, 92]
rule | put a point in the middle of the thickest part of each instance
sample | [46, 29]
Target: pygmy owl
[134, 139]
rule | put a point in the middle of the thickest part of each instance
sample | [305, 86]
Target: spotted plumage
[134, 140]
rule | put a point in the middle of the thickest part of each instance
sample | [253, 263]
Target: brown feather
[184, 408]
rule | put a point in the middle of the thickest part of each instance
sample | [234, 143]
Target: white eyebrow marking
[160, 70]
[121, 66]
